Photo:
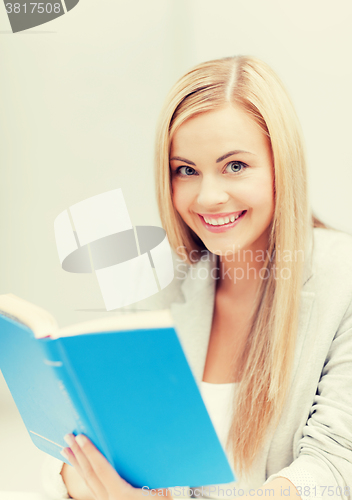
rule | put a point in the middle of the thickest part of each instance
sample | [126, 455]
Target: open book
[123, 381]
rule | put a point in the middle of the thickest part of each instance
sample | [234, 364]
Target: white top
[218, 401]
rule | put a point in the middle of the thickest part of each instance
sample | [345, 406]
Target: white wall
[79, 102]
[309, 45]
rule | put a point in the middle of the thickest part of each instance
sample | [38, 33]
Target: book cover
[131, 392]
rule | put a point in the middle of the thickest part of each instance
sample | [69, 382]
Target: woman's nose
[211, 192]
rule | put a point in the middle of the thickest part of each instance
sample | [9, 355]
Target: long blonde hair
[267, 360]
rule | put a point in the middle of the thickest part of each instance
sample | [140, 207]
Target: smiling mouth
[223, 221]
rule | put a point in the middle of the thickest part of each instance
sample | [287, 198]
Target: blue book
[123, 381]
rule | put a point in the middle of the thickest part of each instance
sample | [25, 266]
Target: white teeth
[221, 221]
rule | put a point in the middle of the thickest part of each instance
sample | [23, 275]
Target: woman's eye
[236, 166]
[188, 171]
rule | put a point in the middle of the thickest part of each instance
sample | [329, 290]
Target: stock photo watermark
[131, 263]
[244, 265]
[219, 491]
[181, 491]
[237, 254]
[26, 15]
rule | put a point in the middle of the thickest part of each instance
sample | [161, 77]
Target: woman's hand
[75, 484]
[100, 477]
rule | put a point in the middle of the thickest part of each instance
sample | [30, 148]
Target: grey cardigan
[312, 444]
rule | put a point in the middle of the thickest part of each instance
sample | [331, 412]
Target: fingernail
[69, 438]
[64, 454]
[81, 440]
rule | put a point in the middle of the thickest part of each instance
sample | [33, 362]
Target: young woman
[267, 314]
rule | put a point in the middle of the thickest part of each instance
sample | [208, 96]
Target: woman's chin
[222, 251]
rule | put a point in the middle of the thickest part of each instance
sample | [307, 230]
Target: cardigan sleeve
[52, 481]
[323, 458]
[306, 486]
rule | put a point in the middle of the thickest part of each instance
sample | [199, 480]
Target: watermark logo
[25, 15]
[237, 264]
[131, 263]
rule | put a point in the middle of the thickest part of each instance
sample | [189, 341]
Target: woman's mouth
[221, 227]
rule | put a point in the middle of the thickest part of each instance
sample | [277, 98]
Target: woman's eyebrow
[226, 155]
[230, 153]
[182, 159]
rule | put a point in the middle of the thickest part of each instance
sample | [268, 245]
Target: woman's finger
[112, 481]
[87, 471]
[67, 453]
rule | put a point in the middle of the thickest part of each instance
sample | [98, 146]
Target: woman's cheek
[181, 198]
[260, 196]
[176, 198]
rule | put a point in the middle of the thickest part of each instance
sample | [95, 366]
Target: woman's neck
[240, 273]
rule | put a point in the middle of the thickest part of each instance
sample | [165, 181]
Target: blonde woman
[266, 317]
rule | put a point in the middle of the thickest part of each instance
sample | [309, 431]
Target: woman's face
[221, 168]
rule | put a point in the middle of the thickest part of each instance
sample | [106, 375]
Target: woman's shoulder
[191, 278]
[332, 245]
[172, 292]
[329, 237]
[332, 258]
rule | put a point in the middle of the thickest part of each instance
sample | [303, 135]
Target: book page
[40, 321]
[133, 321]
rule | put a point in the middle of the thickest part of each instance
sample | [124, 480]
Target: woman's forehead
[220, 129]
